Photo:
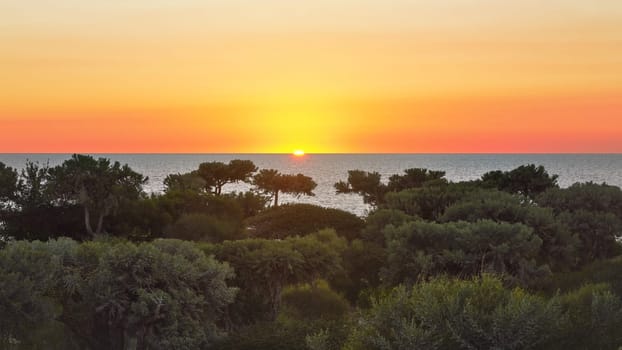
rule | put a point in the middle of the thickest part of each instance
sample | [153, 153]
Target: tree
[597, 231]
[271, 183]
[377, 220]
[419, 250]
[35, 214]
[364, 183]
[264, 267]
[218, 174]
[184, 182]
[584, 196]
[31, 275]
[428, 201]
[369, 184]
[95, 184]
[528, 180]
[302, 219]
[164, 294]
[559, 245]
[8, 183]
[414, 178]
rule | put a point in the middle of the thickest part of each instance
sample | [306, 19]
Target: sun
[299, 153]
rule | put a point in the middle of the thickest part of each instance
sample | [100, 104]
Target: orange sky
[323, 76]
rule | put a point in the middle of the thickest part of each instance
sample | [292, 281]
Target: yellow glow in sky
[326, 75]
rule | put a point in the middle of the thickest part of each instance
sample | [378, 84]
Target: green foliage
[419, 250]
[201, 227]
[302, 219]
[268, 336]
[314, 302]
[44, 222]
[33, 191]
[604, 271]
[559, 245]
[251, 203]
[363, 183]
[217, 174]
[362, 261]
[373, 191]
[270, 182]
[184, 182]
[96, 184]
[593, 317]
[163, 215]
[164, 294]
[265, 267]
[379, 219]
[8, 183]
[584, 196]
[528, 180]
[597, 231]
[414, 178]
[306, 311]
[29, 280]
[429, 201]
[111, 295]
[455, 314]
[33, 214]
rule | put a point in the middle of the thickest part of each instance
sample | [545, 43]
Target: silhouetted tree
[218, 174]
[370, 186]
[413, 178]
[528, 180]
[184, 182]
[366, 184]
[8, 183]
[271, 183]
[95, 184]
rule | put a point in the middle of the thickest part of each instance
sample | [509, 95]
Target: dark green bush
[302, 219]
[309, 302]
[456, 314]
[201, 227]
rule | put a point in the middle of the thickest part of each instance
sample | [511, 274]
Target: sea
[326, 169]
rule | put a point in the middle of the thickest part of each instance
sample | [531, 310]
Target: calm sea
[326, 169]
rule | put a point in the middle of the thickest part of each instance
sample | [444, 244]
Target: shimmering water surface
[326, 169]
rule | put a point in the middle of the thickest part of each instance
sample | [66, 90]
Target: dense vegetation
[509, 261]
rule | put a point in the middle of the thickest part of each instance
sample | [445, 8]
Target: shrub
[201, 227]
[302, 219]
[313, 302]
[455, 314]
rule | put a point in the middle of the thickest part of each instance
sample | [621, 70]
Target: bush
[559, 245]
[456, 314]
[584, 196]
[419, 250]
[606, 271]
[309, 302]
[592, 319]
[205, 228]
[110, 294]
[302, 219]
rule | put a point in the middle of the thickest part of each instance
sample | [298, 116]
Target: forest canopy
[511, 260]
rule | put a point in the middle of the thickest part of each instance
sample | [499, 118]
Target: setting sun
[299, 153]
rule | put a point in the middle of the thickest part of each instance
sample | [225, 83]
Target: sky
[325, 76]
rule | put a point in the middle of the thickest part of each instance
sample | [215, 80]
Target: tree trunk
[100, 223]
[87, 221]
[276, 198]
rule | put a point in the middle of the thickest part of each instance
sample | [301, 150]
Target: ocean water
[326, 169]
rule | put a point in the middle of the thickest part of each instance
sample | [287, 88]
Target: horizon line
[318, 153]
